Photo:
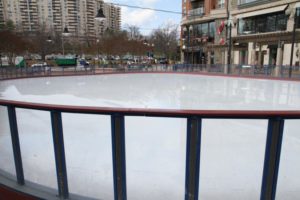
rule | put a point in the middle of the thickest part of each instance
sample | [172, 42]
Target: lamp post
[64, 33]
[49, 39]
[191, 32]
[296, 21]
[184, 47]
[98, 53]
[188, 29]
[100, 15]
[229, 25]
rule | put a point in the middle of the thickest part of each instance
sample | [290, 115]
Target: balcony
[195, 13]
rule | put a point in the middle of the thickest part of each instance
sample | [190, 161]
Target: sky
[147, 20]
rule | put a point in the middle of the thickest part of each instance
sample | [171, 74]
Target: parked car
[84, 62]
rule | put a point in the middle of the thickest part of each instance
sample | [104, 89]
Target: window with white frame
[221, 4]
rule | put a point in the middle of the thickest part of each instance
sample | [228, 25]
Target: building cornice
[203, 19]
[240, 10]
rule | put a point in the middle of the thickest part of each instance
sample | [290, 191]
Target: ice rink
[232, 151]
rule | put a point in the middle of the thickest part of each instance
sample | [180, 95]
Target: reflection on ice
[157, 91]
[231, 154]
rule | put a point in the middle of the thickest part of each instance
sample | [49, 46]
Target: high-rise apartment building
[54, 15]
[1, 14]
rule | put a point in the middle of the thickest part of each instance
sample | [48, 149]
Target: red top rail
[252, 114]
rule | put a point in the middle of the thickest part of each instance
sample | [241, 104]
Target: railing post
[16, 144]
[59, 151]
[193, 147]
[272, 159]
[118, 155]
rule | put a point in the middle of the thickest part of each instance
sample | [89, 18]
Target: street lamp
[100, 15]
[229, 26]
[190, 31]
[49, 39]
[64, 33]
[98, 52]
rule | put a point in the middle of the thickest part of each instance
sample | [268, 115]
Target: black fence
[237, 70]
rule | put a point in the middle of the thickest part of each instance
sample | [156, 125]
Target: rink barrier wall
[193, 146]
[194, 119]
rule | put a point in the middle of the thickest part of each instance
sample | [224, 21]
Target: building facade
[54, 15]
[263, 32]
[257, 32]
[201, 42]
[1, 14]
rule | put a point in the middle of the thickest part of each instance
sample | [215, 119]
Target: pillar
[208, 60]
[260, 56]
[225, 53]
[253, 54]
[279, 59]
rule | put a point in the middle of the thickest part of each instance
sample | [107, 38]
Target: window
[212, 30]
[246, 1]
[260, 25]
[271, 23]
[204, 29]
[207, 30]
[263, 23]
[281, 22]
[297, 17]
[221, 4]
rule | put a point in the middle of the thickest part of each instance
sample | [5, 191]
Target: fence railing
[237, 70]
[194, 119]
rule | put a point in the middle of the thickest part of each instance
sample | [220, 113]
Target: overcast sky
[148, 20]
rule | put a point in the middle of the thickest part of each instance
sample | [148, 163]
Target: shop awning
[262, 12]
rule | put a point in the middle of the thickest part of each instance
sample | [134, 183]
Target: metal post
[118, 155]
[188, 45]
[296, 18]
[16, 144]
[59, 151]
[63, 44]
[193, 147]
[272, 159]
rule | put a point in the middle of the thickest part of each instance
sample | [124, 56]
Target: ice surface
[232, 151]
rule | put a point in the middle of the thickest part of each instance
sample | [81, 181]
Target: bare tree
[165, 41]
[12, 45]
[134, 32]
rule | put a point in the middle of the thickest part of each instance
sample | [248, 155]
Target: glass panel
[212, 30]
[249, 26]
[6, 151]
[271, 23]
[232, 158]
[89, 155]
[205, 29]
[288, 187]
[246, 1]
[281, 22]
[155, 158]
[241, 26]
[298, 18]
[36, 144]
[261, 25]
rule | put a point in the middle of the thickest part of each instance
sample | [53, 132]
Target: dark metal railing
[235, 70]
[193, 146]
